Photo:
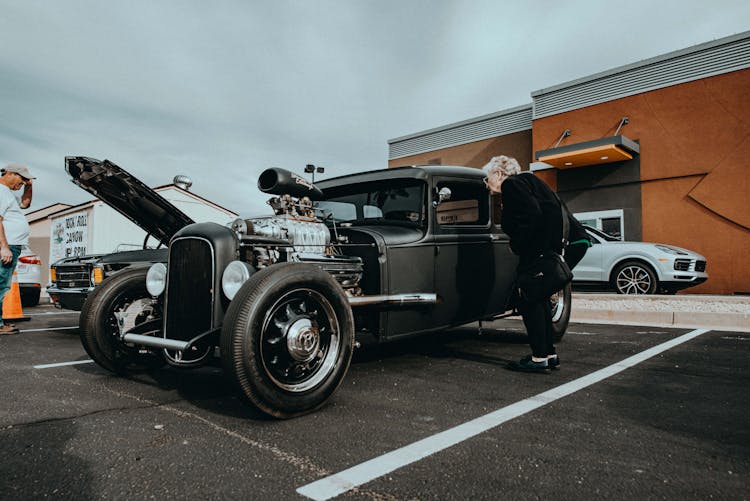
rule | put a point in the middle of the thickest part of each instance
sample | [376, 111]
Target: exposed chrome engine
[294, 222]
[307, 235]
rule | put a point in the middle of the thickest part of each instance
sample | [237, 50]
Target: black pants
[537, 318]
[537, 315]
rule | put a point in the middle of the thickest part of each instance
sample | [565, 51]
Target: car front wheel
[634, 277]
[120, 303]
[287, 339]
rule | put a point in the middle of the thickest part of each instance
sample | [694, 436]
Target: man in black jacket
[532, 218]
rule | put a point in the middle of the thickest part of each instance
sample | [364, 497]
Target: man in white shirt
[14, 229]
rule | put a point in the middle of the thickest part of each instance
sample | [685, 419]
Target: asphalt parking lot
[439, 417]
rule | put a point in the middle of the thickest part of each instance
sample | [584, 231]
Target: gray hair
[502, 164]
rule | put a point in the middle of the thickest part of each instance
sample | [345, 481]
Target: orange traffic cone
[12, 303]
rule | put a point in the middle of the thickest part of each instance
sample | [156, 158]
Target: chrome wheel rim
[300, 340]
[633, 280]
[129, 311]
[557, 303]
[130, 314]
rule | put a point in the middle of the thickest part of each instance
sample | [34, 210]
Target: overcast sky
[222, 90]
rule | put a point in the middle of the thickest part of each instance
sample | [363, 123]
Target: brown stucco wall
[475, 154]
[695, 166]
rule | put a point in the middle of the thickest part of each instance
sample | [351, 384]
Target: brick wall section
[695, 167]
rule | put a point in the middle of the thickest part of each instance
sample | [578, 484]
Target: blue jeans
[6, 276]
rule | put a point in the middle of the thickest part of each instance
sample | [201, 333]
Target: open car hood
[128, 196]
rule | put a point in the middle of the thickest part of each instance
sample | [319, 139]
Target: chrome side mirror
[442, 195]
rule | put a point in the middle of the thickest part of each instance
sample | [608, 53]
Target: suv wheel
[634, 277]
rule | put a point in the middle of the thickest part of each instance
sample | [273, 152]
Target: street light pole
[312, 169]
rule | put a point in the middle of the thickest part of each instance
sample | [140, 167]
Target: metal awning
[599, 151]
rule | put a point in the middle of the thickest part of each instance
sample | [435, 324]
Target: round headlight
[156, 279]
[235, 274]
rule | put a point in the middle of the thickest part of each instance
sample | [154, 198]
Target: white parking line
[49, 329]
[58, 312]
[62, 364]
[355, 476]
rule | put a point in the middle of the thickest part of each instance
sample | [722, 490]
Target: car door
[473, 265]
[589, 269]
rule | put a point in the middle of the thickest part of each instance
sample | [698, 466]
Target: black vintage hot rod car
[379, 256]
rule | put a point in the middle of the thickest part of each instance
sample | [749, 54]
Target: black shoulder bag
[549, 272]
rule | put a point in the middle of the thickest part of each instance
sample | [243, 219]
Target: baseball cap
[18, 169]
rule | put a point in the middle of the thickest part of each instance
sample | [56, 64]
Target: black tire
[634, 277]
[122, 293]
[30, 298]
[560, 304]
[287, 339]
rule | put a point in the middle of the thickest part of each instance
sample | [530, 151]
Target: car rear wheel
[560, 303]
[287, 339]
[120, 303]
[634, 277]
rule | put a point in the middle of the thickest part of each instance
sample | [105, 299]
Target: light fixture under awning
[599, 151]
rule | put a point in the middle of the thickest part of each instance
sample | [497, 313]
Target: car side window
[467, 206]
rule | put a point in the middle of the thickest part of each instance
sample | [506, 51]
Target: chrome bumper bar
[157, 342]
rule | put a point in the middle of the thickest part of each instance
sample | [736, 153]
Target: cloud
[219, 91]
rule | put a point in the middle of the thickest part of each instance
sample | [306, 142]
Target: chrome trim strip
[76, 290]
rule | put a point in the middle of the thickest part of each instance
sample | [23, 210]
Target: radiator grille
[73, 276]
[682, 264]
[689, 265]
[189, 288]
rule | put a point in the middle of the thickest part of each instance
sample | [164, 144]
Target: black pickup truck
[73, 278]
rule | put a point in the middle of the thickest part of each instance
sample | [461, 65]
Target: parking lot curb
[731, 313]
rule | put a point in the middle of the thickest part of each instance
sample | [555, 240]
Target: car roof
[405, 172]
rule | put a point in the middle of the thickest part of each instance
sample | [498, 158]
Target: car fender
[613, 262]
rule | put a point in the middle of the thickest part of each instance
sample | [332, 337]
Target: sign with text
[458, 212]
[69, 236]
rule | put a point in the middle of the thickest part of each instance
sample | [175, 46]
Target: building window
[610, 222]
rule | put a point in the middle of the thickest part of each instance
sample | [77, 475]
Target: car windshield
[392, 201]
[601, 234]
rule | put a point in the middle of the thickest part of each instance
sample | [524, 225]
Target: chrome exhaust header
[420, 298]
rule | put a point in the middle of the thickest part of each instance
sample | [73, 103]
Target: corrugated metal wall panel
[635, 79]
[461, 133]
